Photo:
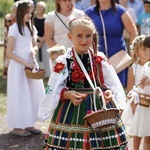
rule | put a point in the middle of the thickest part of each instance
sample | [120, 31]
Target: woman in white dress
[56, 23]
[23, 94]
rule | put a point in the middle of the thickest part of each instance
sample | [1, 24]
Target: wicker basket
[37, 75]
[102, 118]
[144, 99]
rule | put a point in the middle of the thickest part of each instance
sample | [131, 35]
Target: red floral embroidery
[62, 94]
[59, 67]
[77, 76]
[99, 59]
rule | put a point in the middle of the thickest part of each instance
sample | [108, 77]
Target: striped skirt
[69, 130]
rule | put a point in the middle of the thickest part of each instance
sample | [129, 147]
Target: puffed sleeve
[51, 97]
[13, 30]
[112, 82]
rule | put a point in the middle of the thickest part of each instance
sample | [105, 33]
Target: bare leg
[136, 142]
[146, 145]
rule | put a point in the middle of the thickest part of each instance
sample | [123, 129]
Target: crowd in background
[131, 20]
[139, 11]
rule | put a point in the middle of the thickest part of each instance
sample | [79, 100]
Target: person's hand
[34, 51]
[76, 98]
[29, 65]
[144, 81]
[108, 95]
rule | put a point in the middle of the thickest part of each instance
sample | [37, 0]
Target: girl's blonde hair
[85, 21]
[58, 7]
[136, 43]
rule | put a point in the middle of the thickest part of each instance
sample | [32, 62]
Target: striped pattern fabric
[69, 130]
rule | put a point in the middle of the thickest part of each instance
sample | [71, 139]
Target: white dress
[60, 30]
[23, 94]
[139, 123]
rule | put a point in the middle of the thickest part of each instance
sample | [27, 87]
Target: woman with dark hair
[113, 18]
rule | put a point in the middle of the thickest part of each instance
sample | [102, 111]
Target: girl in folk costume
[136, 115]
[69, 95]
[23, 100]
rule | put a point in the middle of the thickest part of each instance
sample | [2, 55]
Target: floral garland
[136, 40]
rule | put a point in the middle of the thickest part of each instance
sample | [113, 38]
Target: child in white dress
[137, 113]
[23, 94]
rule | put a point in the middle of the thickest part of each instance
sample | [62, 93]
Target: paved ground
[33, 142]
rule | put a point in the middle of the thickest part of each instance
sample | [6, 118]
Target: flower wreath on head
[24, 1]
[135, 41]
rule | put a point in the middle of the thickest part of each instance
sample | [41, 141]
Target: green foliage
[5, 7]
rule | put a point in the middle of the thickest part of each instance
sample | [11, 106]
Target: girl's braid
[95, 43]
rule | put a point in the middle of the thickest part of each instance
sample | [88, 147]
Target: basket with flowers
[38, 74]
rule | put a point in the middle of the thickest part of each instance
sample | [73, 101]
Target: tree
[5, 7]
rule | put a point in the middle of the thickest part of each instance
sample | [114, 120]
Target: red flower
[99, 59]
[89, 112]
[77, 76]
[59, 67]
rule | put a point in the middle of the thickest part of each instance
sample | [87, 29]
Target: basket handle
[35, 62]
[90, 82]
[103, 99]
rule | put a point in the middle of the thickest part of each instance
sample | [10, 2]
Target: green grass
[1, 30]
